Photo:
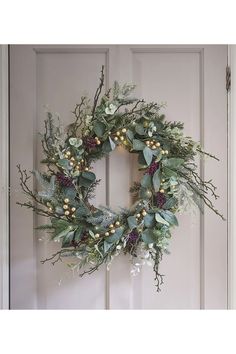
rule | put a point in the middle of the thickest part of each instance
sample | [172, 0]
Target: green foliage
[94, 235]
[173, 163]
[86, 179]
[149, 220]
[156, 180]
[138, 145]
[147, 153]
[116, 236]
[146, 181]
[148, 236]
[132, 222]
[169, 217]
[160, 219]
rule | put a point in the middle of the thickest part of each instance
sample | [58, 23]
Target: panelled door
[191, 80]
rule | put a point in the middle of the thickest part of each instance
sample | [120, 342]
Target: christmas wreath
[91, 236]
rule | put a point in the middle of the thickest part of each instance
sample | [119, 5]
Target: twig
[98, 91]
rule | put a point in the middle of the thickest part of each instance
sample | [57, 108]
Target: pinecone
[63, 180]
[152, 168]
[160, 199]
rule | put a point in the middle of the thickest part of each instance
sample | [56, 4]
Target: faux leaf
[147, 153]
[87, 178]
[130, 135]
[156, 180]
[112, 144]
[99, 128]
[132, 222]
[169, 217]
[141, 159]
[158, 155]
[173, 162]
[76, 142]
[160, 219]
[148, 236]
[116, 236]
[106, 147]
[64, 163]
[140, 129]
[138, 145]
[170, 203]
[146, 181]
[70, 193]
[169, 173]
[149, 220]
[82, 210]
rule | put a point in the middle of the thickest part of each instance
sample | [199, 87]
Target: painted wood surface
[191, 80]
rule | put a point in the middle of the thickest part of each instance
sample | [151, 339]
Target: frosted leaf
[110, 109]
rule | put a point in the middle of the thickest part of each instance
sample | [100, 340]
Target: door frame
[4, 180]
[231, 180]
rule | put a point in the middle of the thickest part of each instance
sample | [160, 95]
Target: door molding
[4, 179]
[231, 179]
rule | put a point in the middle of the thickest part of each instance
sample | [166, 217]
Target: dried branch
[98, 91]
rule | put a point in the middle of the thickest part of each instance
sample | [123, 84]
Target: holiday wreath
[170, 182]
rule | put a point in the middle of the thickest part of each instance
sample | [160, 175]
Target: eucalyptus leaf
[70, 193]
[141, 159]
[173, 162]
[112, 144]
[106, 147]
[148, 236]
[140, 129]
[168, 172]
[130, 135]
[169, 217]
[146, 181]
[132, 222]
[156, 180]
[116, 236]
[99, 128]
[170, 203]
[138, 145]
[76, 142]
[147, 153]
[158, 155]
[90, 176]
[149, 220]
[64, 163]
[160, 219]
[81, 210]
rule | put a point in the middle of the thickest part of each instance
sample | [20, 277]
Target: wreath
[91, 236]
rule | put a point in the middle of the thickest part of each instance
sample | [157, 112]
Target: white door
[191, 79]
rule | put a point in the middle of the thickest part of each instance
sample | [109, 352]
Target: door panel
[191, 80]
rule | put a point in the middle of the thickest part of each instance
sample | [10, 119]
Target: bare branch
[98, 91]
